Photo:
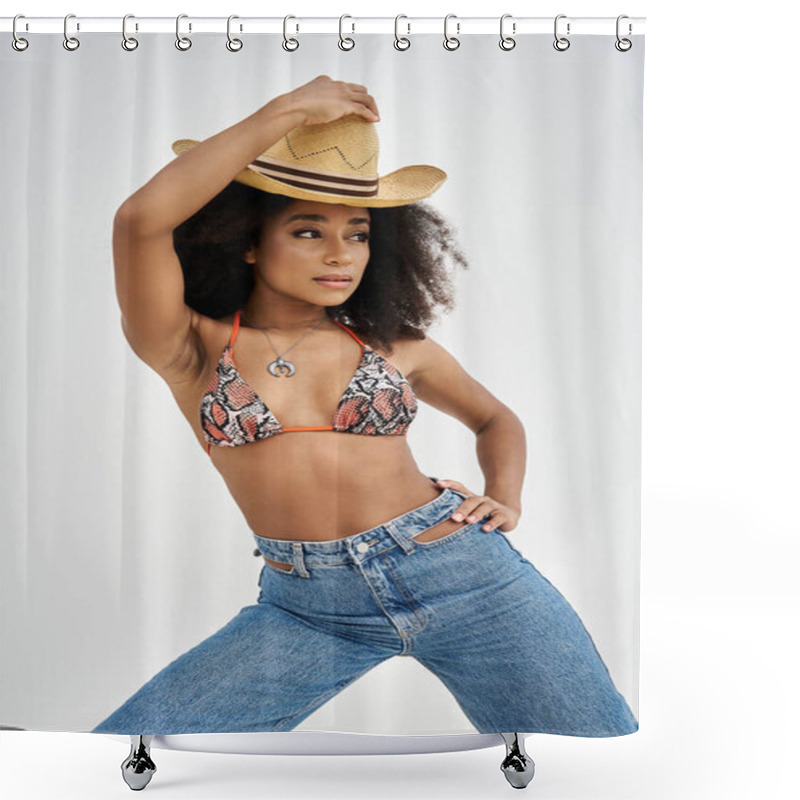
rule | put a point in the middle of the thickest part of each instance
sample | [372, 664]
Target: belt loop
[298, 561]
[407, 545]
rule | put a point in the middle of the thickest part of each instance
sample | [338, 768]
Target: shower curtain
[122, 548]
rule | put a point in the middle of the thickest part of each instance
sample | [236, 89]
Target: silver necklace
[280, 367]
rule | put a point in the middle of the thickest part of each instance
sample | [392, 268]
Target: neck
[282, 319]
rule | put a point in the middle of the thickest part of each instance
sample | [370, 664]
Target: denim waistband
[365, 544]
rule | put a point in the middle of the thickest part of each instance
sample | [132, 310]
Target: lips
[334, 281]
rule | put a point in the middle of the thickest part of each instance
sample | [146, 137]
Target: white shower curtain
[121, 547]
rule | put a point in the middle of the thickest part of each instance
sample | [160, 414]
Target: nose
[338, 253]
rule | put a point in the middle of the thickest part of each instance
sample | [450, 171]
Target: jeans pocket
[281, 570]
[446, 538]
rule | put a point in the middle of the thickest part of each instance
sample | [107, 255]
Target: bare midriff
[318, 486]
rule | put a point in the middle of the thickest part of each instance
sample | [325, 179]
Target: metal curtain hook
[290, 44]
[507, 42]
[182, 42]
[128, 42]
[346, 43]
[623, 45]
[234, 45]
[451, 42]
[560, 43]
[70, 42]
[400, 42]
[17, 42]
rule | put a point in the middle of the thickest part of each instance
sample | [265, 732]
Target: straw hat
[334, 162]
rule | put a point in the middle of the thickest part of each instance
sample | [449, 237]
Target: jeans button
[362, 547]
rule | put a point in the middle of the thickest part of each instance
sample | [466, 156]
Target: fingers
[367, 108]
[479, 513]
[497, 520]
[367, 113]
[475, 506]
[470, 512]
[364, 99]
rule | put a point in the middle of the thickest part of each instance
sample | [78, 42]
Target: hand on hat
[325, 100]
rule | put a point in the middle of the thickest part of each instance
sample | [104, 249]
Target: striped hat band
[317, 180]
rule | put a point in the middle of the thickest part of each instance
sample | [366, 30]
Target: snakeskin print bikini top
[378, 401]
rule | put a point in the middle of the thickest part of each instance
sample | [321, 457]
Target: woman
[364, 556]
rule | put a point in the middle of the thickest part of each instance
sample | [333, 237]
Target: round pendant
[280, 368]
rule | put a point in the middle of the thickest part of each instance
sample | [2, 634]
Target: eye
[363, 234]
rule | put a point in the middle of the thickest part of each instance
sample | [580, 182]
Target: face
[309, 240]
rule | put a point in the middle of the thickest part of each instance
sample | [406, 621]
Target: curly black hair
[405, 280]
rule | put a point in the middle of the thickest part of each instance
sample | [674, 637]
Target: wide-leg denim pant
[467, 606]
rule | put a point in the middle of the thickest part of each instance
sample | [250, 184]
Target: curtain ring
[70, 42]
[400, 42]
[182, 42]
[18, 43]
[623, 45]
[507, 42]
[350, 43]
[560, 43]
[451, 42]
[128, 42]
[290, 45]
[234, 45]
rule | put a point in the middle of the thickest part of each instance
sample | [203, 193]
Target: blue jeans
[468, 606]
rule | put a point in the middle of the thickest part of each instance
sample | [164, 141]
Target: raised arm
[157, 323]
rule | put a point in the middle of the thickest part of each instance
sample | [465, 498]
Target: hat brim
[399, 188]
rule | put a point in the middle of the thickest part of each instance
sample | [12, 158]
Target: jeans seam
[372, 591]
[419, 613]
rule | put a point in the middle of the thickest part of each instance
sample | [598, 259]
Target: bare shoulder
[438, 379]
[411, 356]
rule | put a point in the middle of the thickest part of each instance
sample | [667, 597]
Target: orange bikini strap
[235, 331]
[349, 331]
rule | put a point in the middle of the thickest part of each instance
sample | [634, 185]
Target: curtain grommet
[183, 43]
[70, 42]
[345, 42]
[451, 42]
[18, 42]
[622, 44]
[561, 43]
[129, 43]
[401, 42]
[507, 42]
[290, 44]
[234, 45]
